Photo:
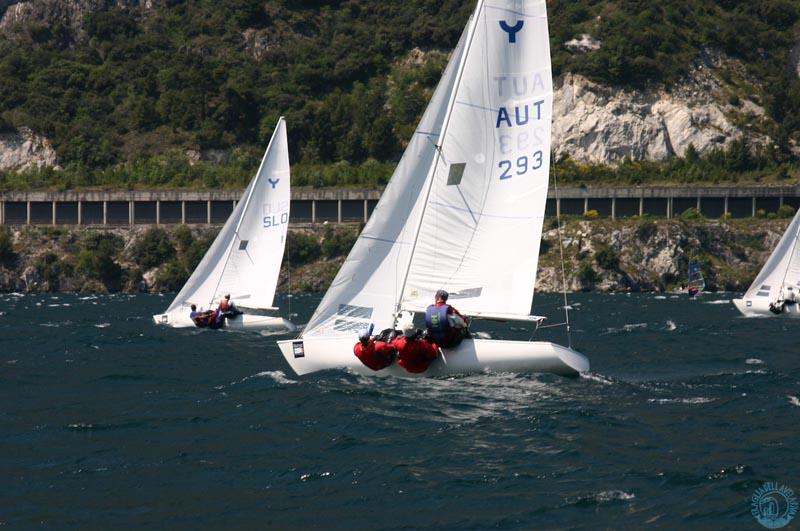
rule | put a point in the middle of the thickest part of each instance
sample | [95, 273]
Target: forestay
[782, 267]
[245, 258]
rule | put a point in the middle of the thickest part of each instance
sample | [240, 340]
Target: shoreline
[601, 255]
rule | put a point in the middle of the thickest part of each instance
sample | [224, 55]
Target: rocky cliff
[69, 15]
[601, 255]
[24, 149]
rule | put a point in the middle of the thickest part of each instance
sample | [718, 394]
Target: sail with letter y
[245, 258]
[463, 211]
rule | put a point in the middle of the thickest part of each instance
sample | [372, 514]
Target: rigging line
[442, 134]
[561, 250]
[289, 278]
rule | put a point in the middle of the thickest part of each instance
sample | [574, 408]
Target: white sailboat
[245, 259]
[463, 211]
[776, 289]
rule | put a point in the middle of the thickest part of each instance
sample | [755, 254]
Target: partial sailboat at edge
[245, 258]
[776, 289]
[463, 211]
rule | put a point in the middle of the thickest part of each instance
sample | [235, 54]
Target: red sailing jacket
[375, 355]
[415, 355]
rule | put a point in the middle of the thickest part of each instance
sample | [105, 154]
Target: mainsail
[782, 267]
[465, 206]
[245, 258]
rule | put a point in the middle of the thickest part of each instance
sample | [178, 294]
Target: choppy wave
[718, 301]
[793, 400]
[626, 328]
[276, 376]
[692, 401]
[596, 378]
[602, 497]
[754, 361]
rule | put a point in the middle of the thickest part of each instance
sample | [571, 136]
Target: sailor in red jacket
[414, 355]
[376, 355]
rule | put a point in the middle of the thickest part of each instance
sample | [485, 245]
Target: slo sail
[776, 289]
[245, 258]
[463, 211]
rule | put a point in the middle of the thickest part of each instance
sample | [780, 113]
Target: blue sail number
[523, 164]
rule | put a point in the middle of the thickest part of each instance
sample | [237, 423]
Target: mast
[438, 147]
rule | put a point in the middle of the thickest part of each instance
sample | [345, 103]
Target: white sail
[465, 206]
[782, 267]
[367, 287]
[463, 211]
[245, 258]
[480, 232]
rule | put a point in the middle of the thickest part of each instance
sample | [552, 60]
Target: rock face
[25, 150]
[68, 13]
[598, 124]
[600, 255]
[646, 255]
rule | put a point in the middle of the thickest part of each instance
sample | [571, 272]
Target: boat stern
[744, 307]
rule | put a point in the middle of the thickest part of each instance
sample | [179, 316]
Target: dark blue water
[109, 422]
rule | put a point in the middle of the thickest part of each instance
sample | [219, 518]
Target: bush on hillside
[7, 255]
[153, 248]
[97, 259]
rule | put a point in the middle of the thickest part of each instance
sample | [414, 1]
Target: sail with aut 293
[245, 258]
[464, 208]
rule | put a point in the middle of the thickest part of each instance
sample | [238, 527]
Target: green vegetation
[735, 164]
[338, 242]
[646, 229]
[785, 211]
[97, 259]
[50, 269]
[123, 99]
[587, 275]
[7, 254]
[153, 248]
[607, 258]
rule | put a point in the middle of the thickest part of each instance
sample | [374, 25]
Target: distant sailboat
[245, 259]
[463, 211]
[696, 282]
[775, 289]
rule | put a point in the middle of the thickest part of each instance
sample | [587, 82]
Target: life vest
[375, 355]
[437, 322]
[414, 355]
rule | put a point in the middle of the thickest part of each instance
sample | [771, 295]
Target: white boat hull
[472, 355]
[266, 323]
[760, 308]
